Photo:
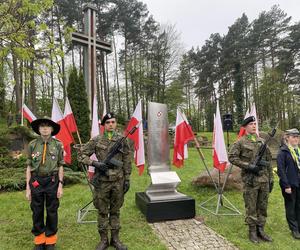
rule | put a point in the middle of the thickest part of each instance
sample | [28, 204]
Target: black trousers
[44, 194]
[292, 208]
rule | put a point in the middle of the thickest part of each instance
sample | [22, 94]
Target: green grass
[15, 216]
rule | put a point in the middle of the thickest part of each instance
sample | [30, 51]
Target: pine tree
[79, 103]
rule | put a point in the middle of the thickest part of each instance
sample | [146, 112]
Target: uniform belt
[44, 174]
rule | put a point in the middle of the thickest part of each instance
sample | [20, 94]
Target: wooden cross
[90, 45]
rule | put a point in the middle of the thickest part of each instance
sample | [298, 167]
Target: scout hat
[36, 124]
[108, 116]
[248, 120]
[292, 131]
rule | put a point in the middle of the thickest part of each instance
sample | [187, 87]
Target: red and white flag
[183, 134]
[220, 158]
[69, 117]
[28, 114]
[94, 132]
[64, 134]
[137, 137]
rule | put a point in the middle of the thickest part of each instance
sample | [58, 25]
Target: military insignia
[159, 114]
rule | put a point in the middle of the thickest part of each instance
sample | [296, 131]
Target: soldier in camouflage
[257, 183]
[111, 185]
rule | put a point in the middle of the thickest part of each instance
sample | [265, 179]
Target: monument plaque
[162, 201]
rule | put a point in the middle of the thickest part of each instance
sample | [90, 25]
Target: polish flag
[64, 134]
[69, 117]
[183, 134]
[137, 137]
[220, 158]
[103, 114]
[94, 133]
[28, 114]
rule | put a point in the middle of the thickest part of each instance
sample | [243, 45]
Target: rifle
[263, 149]
[261, 152]
[110, 161]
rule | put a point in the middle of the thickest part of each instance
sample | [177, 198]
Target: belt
[44, 174]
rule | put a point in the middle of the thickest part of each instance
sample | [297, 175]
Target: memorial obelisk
[162, 201]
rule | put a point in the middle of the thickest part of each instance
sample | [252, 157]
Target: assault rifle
[110, 161]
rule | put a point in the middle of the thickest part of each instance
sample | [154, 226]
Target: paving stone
[190, 234]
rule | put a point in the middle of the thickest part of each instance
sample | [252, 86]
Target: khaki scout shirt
[243, 152]
[101, 145]
[54, 156]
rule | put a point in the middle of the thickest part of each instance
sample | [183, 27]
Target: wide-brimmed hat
[108, 116]
[36, 124]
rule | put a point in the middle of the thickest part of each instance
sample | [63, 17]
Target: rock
[233, 181]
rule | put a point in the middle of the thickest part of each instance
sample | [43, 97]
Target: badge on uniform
[35, 184]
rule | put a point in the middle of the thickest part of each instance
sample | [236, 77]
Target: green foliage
[79, 103]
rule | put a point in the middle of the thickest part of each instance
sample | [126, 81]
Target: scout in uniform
[288, 170]
[111, 185]
[44, 181]
[257, 180]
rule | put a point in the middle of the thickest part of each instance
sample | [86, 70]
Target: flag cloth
[64, 134]
[94, 132]
[183, 134]
[69, 117]
[220, 158]
[137, 137]
[28, 114]
[242, 131]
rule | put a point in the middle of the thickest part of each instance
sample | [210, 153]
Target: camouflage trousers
[256, 203]
[108, 199]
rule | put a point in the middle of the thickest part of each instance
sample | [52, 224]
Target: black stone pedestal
[154, 211]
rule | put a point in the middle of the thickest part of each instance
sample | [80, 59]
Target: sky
[195, 20]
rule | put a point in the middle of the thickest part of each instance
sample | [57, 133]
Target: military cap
[292, 131]
[36, 124]
[248, 120]
[108, 116]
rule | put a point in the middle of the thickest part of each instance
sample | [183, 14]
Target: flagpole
[203, 160]
[78, 137]
[23, 95]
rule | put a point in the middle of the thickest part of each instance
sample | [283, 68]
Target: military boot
[261, 234]
[253, 234]
[115, 241]
[103, 244]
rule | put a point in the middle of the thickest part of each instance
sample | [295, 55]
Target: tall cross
[90, 44]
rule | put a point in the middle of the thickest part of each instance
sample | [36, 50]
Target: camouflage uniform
[256, 187]
[108, 193]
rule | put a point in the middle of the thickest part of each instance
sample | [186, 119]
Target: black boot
[115, 241]
[39, 247]
[261, 234]
[103, 244]
[253, 234]
[296, 235]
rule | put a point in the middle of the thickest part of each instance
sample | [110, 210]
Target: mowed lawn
[15, 216]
